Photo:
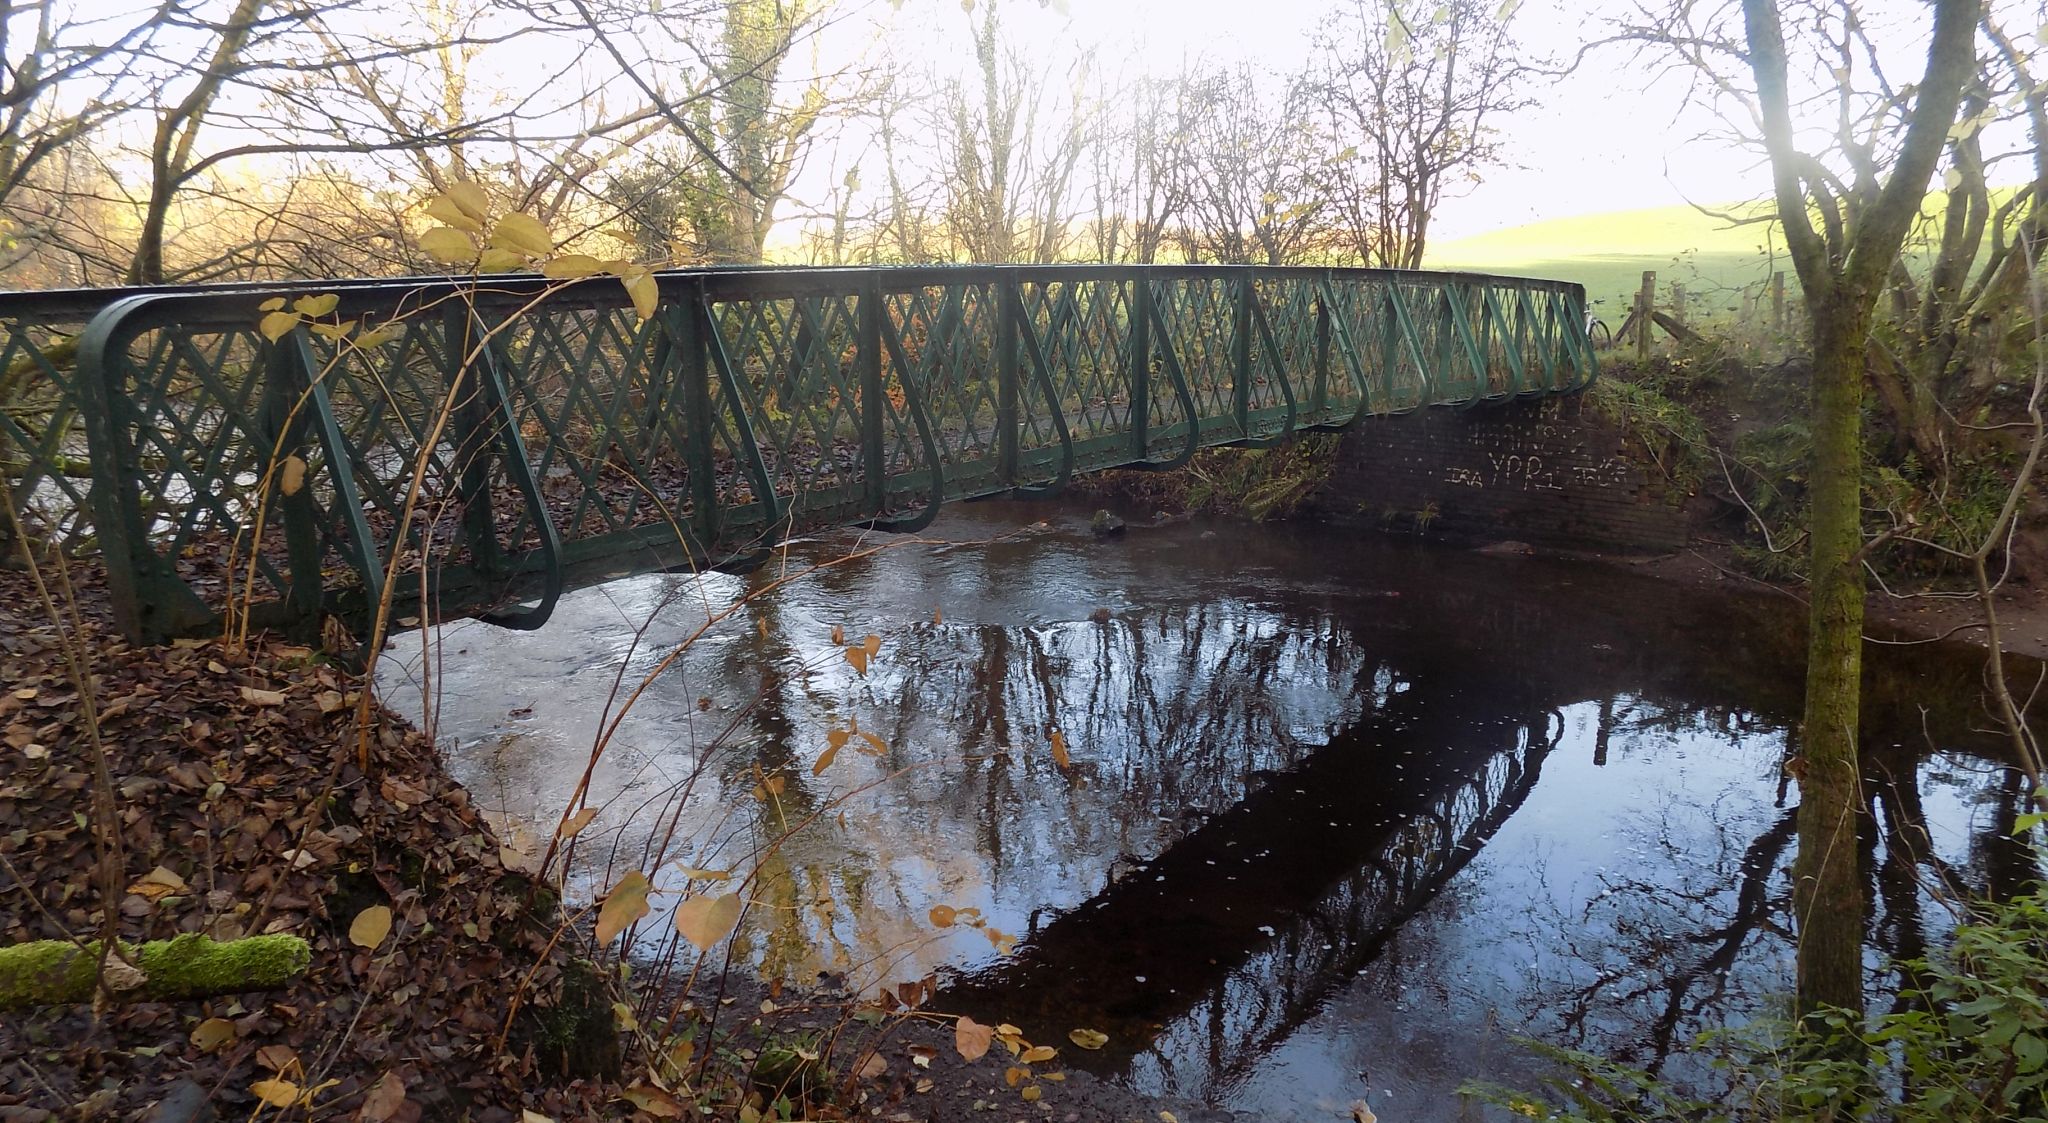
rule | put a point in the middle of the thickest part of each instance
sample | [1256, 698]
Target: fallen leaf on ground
[370, 927]
[386, 1096]
[158, 884]
[972, 1038]
[212, 1033]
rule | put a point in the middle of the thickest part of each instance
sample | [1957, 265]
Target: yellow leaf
[873, 645]
[623, 1017]
[448, 246]
[1059, 750]
[706, 920]
[972, 1038]
[937, 617]
[447, 210]
[273, 304]
[1039, 1053]
[943, 916]
[212, 1033]
[645, 292]
[695, 874]
[1013, 1074]
[331, 332]
[495, 260]
[654, 1101]
[626, 903]
[875, 746]
[523, 234]
[370, 927]
[292, 476]
[1168, 1117]
[825, 758]
[838, 634]
[383, 333]
[316, 306]
[574, 823]
[159, 883]
[277, 325]
[1032, 1093]
[1088, 1038]
[572, 265]
[470, 200]
[276, 1093]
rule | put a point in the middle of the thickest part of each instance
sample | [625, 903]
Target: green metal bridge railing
[547, 435]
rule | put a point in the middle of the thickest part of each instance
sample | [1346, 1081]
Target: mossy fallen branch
[55, 972]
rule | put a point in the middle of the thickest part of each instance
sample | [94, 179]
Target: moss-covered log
[55, 972]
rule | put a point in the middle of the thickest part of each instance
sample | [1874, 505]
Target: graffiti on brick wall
[1543, 453]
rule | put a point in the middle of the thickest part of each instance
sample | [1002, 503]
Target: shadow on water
[1341, 814]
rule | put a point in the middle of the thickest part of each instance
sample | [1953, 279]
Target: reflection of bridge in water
[1198, 961]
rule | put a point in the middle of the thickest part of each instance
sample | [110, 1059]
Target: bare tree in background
[1250, 173]
[1412, 91]
[1010, 150]
[1135, 157]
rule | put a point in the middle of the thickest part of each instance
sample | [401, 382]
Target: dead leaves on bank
[218, 757]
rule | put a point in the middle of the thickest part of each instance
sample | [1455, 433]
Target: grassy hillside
[1609, 252]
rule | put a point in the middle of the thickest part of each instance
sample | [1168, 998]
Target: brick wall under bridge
[1550, 472]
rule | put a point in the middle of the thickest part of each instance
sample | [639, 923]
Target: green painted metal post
[1138, 362]
[689, 361]
[1322, 359]
[282, 435]
[873, 402]
[1241, 356]
[1009, 420]
[475, 437]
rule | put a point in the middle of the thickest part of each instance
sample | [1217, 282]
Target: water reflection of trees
[1172, 714]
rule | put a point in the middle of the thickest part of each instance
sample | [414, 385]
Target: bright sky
[1602, 139]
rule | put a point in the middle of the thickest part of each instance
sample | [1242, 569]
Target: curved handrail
[583, 367]
[920, 417]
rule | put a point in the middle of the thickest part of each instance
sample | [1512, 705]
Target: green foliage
[1666, 428]
[1252, 483]
[1967, 1041]
[1261, 484]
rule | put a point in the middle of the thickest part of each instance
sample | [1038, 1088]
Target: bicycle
[1598, 331]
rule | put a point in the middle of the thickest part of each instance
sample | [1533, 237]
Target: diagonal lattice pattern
[491, 442]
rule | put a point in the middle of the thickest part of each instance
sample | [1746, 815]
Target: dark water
[1342, 815]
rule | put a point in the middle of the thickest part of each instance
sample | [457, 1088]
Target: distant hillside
[1609, 252]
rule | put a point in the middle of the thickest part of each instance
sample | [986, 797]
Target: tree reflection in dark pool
[1343, 815]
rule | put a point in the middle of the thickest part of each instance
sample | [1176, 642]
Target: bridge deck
[515, 436]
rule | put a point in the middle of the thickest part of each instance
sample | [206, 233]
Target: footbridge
[481, 444]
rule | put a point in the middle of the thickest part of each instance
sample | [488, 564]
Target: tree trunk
[1828, 888]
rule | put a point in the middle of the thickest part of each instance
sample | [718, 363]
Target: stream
[1340, 817]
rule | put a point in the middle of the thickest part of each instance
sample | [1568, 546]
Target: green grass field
[1608, 253]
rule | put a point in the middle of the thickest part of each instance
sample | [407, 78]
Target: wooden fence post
[1778, 302]
[1678, 302]
[1646, 306]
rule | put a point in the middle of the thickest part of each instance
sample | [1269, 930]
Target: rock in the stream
[1106, 525]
